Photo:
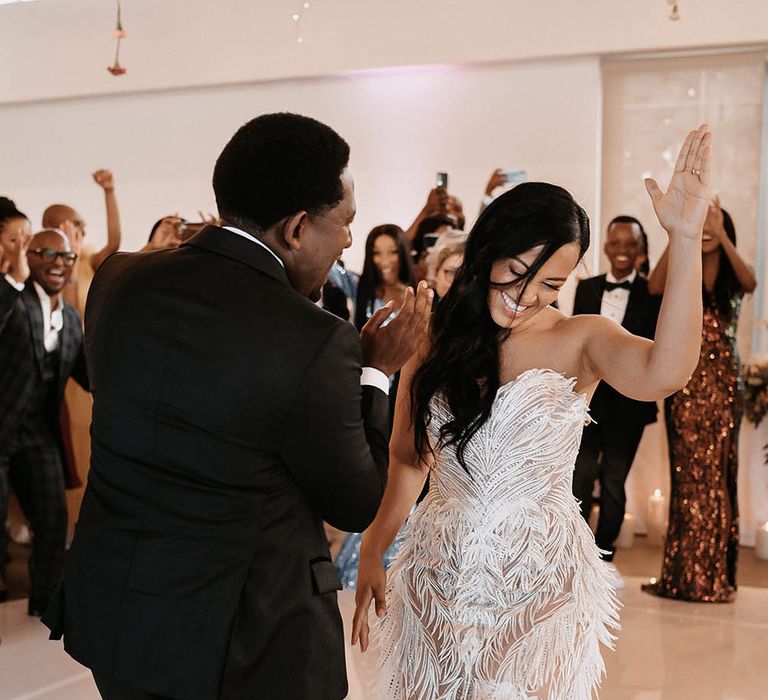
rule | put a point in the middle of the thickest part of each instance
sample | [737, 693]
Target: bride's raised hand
[681, 210]
[371, 585]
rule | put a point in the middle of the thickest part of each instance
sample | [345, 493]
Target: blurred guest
[444, 259]
[40, 348]
[439, 203]
[67, 219]
[14, 227]
[703, 422]
[609, 443]
[76, 410]
[387, 271]
[165, 233]
[340, 291]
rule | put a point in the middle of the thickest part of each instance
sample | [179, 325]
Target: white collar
[45, 300]
[53, 318]
[244, 234]
[629, 278]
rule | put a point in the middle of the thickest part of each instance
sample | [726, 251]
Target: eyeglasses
[50, 255]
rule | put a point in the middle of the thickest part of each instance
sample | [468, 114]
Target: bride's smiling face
[513, 299]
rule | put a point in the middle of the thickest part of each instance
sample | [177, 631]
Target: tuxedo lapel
[35, 318]
[634, 304]
[68, 349]
[595, 300]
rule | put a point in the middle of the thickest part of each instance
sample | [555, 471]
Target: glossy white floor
[666, 651]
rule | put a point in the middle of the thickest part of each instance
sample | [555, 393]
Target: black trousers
[110, 689]
[607, 451]
[37, 477]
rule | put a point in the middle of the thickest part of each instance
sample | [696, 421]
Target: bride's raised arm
[407, 475]
[649, 370]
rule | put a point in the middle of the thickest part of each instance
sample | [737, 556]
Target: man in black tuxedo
[229, 421]
[41, 346]
[610, 443]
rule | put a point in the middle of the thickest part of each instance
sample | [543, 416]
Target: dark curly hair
[9, 212]
[277, 165]
[463, 361]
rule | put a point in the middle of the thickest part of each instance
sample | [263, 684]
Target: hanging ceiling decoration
[674, 10]
[119, 34]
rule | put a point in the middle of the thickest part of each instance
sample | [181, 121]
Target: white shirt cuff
[18, 286]
[375, 377]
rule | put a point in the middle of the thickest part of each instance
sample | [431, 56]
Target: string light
[297, 18]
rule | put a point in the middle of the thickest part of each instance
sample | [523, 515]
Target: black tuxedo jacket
[228, 423]
[22, 354]
[640, 318]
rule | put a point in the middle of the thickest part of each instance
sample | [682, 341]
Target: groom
[231, 417]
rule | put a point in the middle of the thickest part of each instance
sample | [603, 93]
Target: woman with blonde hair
[444, 260]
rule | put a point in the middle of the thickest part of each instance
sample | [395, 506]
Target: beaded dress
[703, 422]
[498, 590]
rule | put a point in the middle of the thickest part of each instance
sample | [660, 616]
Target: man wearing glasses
[41, 346]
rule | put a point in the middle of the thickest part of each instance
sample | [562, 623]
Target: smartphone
[514, 177]
[442, 180]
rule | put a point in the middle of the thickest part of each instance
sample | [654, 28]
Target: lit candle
[761, 542]
[626, 537]
[656, 518]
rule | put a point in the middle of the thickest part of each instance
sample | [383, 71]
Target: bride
[498, 590]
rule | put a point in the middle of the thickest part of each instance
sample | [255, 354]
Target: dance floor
[667, 651]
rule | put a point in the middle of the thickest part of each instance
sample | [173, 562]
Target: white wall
[402, 125]
[55, 48]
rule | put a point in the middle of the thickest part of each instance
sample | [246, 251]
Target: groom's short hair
[277, 165]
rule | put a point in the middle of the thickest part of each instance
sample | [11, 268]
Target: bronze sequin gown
[703, 431]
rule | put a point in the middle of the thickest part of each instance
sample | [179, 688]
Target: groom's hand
[388, 348]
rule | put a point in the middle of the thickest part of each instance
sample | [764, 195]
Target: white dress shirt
[370, 376]
[18, 286]
[614, 303]
[53, 319]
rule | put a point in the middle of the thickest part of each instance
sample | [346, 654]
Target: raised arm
[649, 370]
[106, 181]
[407, 474]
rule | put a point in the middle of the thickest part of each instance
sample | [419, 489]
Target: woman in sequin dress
[703, 431]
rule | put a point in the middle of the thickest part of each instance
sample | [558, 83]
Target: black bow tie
[610, 286]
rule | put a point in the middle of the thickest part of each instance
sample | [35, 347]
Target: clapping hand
[683, 208]
[389, 347]
[13, 258]
[104, 179]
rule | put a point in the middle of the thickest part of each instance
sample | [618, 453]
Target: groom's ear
[294, 229]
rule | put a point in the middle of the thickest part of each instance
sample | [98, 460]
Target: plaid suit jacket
[21, 359]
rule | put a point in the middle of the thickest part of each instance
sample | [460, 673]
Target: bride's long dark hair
[463, 361]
